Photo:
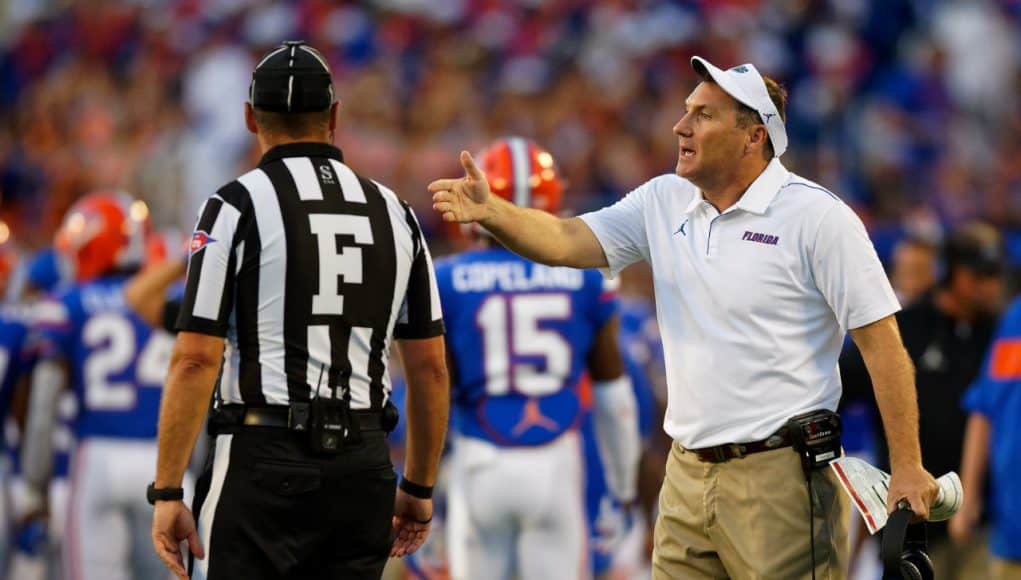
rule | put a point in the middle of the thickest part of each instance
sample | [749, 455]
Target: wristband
[415, 490]
[154, 494]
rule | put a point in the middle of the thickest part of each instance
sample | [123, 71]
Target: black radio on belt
[329, 425]
[816, 437]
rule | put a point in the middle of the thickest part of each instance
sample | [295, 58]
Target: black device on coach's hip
[330, 425]
[816, 437]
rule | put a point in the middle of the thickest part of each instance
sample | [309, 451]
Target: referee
[308, 271]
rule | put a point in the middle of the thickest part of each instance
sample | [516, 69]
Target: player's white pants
[108, 518]
[517, 511]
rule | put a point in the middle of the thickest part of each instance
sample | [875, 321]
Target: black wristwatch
[154, 494]
[415, 490]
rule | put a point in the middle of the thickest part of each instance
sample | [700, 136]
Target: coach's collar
[760, 193]
[303, 149]
[763, 190]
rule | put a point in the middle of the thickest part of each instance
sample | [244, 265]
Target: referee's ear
[250, 119]
[334, 116]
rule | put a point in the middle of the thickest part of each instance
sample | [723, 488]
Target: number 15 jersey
[519, 336]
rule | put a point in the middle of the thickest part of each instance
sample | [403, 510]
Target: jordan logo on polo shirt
[767, 239]
[681, 231]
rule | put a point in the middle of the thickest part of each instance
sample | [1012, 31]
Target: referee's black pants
[267, 508]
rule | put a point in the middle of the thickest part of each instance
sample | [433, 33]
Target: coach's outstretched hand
[465, 199]
[173, 523]
[412, 518]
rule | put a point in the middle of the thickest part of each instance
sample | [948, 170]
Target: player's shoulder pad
[51, 311]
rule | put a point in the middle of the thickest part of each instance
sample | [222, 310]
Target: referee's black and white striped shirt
[309, 270]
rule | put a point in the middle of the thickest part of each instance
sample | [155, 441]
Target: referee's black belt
[294, 417]
[728, 451]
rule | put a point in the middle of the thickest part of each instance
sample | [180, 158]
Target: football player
[520, 337]
[13, 364]
[91, 342]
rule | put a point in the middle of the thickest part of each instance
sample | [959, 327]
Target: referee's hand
[173, 523]
[412, 518]
[464, 199]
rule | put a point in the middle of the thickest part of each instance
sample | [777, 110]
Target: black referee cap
[292, 78]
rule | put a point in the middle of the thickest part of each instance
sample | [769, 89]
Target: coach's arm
[893, 380]
[194, 367]
[537, 235]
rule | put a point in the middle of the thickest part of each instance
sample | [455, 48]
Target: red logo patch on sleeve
[200, 240]
[1005, 361]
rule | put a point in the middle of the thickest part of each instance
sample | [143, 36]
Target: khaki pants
[1005, 569]
[748, 519]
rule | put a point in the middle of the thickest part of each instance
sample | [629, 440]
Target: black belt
[294, 417]
[728, 451]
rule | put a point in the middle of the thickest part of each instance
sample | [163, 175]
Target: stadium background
[908, 109]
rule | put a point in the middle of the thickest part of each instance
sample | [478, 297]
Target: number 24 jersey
[116, 362]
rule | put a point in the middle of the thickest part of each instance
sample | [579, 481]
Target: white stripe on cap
[290, 80]
[315, 54]
[290, 91]
[521, 169]
[270, 55]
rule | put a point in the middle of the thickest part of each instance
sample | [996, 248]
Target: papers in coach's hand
[868, 486]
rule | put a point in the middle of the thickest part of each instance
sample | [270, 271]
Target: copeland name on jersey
[519, 336]
[117, 361]
[514, 277]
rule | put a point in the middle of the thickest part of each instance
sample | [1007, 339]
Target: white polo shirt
[752, 303]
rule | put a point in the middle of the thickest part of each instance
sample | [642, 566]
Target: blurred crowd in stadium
[894, 104]
[891, 104]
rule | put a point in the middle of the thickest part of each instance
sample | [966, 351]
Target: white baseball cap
[744, 83]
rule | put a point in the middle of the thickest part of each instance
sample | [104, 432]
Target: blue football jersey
[117, 362]
[15, 359]
[519, 335]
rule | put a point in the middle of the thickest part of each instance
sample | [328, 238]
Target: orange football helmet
[523, 173]
[103, 232]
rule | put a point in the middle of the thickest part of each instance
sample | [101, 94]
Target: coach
[308, 270]
[758, 274]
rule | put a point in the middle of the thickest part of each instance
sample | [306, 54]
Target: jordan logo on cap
[740, 69]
